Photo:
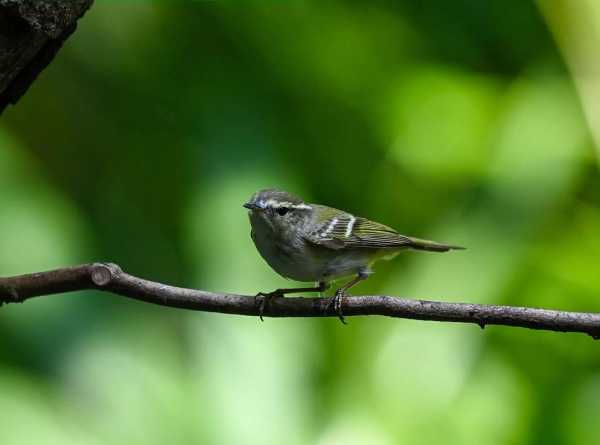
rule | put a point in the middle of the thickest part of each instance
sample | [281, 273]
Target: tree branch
[31, 33]
[110, 278]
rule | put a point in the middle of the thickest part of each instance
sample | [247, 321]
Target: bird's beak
[251, 206]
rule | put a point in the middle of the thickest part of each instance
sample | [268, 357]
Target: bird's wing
[366, 233]
[339, 230]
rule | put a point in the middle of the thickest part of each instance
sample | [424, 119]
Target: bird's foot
[267, 297]
[336, 302]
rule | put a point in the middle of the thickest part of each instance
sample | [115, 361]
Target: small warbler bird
[313, 242]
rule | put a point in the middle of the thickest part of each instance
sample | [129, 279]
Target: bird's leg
[336, 300]
[268, 296]
[322, 286]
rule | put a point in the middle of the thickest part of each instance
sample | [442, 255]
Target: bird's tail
[431, 246]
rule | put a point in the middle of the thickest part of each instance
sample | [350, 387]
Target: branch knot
[103, 273]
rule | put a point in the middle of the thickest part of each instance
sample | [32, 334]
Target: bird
[315, 243]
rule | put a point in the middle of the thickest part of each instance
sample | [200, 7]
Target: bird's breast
[288, 257]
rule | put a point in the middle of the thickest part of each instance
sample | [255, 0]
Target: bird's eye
[282, 211]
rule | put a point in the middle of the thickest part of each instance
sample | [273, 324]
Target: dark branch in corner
[110, 278]
[31, 34]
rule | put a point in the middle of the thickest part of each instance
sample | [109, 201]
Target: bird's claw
[336, 301]
[266, 297]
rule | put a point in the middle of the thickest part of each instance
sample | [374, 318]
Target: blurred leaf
[440, 121]
[254, 377]
[31, 415]
[579, 414]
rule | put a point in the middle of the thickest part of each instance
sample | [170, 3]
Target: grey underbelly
[312, 264]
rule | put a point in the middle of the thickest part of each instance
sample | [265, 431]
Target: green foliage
[140, 143]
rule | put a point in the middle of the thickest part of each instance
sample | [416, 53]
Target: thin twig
[110, 278]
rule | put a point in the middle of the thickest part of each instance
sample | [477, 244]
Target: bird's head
[278, 210]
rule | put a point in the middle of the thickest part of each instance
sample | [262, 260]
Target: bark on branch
[31, 33]
[110, 278]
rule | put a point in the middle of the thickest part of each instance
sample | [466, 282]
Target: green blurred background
[467, 122]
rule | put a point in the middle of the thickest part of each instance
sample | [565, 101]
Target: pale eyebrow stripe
[276, 204]
[301, 206]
